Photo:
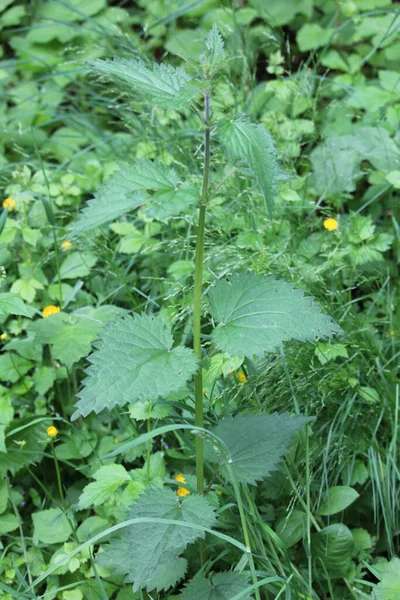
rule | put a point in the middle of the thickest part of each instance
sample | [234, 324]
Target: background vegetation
[323, 77]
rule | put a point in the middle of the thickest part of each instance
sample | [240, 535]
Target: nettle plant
[135, 359]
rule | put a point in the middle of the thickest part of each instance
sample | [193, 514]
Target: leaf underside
[255, 444]
[134, 360]
[256, 314]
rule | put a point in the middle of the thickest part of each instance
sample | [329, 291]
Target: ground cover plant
[199, 246]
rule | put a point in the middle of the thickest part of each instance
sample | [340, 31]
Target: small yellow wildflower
[4, 337]
[331, 224]
[66, 245]
[181, 491]
[9, 203]
[50, 310]
[241, 377]
[52, 431]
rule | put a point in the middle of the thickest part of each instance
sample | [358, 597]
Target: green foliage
[253, 445]
[333, 547]
[108, 479]
[163, 84]
[12, 304]
[51, 526]
[336, 499]
[257, 314]
[218, 586]
[133, 360]
[251, 149]
[147, 551]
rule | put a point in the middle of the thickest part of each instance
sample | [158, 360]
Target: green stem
[198, 278]
[308, 517]
[245, 531]
[57, 256]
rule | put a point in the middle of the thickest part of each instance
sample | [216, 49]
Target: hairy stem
[198, 277]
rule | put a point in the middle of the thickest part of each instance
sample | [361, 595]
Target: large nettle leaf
[71, 335]
[129, 187]
[256, 314]
[134, 360]
[251, 149]
[146, 552]
[217, 586]
[161, 84]
[253, 445]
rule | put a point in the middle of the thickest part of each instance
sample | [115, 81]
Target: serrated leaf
[256, 314]
[133, 360]
[337, 498]
[71, 335]
[215, 53]
[162, 84]
[145, 550]
[255, 443]
[217, 586]
[108, 479]
[334, 546]
[388, 588]
[12, 304]
[251, 149]
[127, 189]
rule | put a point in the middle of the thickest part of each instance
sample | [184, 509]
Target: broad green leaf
[11, 304]
[108, 479]
[25, 445]
[217, 586]
[326, 352]
[394, 178]
[77, 264]
[337, 161]
[8, 522]
[13, 367]
[128, 188]
[251, 149]
[256, 314]
[362, 539]
[162, 84]
[312, 36]
[146, 550]
[254, 444]
[133, 360]
[388, 588]
[391, 567]
[71, 335]
[50, 526]
[44, 378]
[337, 498]
[91, 527]
[215, 53]
[290, 529]
[333, 546]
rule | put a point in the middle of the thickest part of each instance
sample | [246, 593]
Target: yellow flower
[50, 310]
[52, 431]
[241, 377]
[4, 337]
[66, 245]
[331, 224]
[9, 203]
[181, 491]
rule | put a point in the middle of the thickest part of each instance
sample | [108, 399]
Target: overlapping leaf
[71, 335]
[256, 314]
[11, 304]
[128, 189]
[253, 445]
[251, 149]
[133, 360]
[217, 586]
[162, 84]
[147, 551]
